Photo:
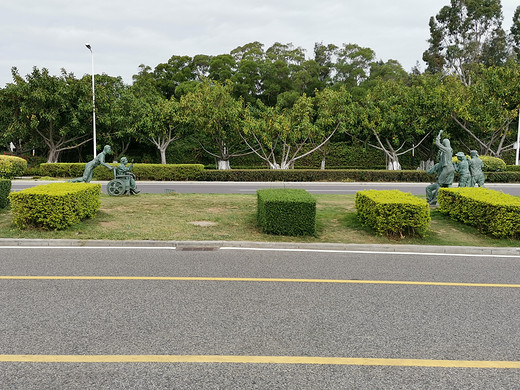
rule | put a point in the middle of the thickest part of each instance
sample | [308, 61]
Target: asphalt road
[251, 187]
[307, 305]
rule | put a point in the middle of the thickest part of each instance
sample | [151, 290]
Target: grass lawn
[186, 217]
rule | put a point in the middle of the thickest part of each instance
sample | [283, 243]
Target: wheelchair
[120, 184]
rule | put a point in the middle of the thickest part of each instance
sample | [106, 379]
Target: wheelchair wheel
[116, 187]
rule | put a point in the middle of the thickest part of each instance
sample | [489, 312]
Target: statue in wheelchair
[123, 182]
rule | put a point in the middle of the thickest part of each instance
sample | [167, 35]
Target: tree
[515, 34]
[395, 118]
[168, 76]
[353, 64]
[215, 118]
[281, 135]
[465, 34]
[49, 111]
[487, 109]
[247, 79]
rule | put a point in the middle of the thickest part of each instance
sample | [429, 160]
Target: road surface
[167, 318]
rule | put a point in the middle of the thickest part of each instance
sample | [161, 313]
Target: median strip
[272, 280]
[308, 360]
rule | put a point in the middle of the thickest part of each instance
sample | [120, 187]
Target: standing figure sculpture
[475, 168]
[447, 171]
[89, 167]
[462, 167]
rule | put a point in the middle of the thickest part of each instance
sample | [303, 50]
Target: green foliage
[5, 188]
[289, 212]
[491, 212]
[176, 172]
[315, 175]
[11, 166]
[55, 206]
[393, 213]
[493, 164]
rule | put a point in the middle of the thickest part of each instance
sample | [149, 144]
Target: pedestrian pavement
[289, 246]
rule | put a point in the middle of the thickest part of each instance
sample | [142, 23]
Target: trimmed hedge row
[315, 175]
[491, 212]
[393, 213]
[5, 188]
[11, 166]
[160, 172]
[288, 212]
[55, 206]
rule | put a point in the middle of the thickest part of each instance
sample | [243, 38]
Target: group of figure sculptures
[468, 168]
[123, 181]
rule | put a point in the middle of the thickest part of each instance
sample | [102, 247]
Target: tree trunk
[223, 165]
[53, 155]
[162, 151]
[394, 165]
[322, 166]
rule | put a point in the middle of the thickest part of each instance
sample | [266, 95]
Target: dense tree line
[279, 105]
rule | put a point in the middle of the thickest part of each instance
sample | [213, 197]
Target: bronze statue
[123, 170]
[89, 167]
[475, 168]
[433, 189]
[462, 167]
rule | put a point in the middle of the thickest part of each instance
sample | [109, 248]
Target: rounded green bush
[11, 166]
[493, 164]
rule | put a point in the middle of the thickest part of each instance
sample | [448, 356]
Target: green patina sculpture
[462, 167]
[124, 180]
[89, 167]
[433, 189]
[445, 155]
[475, 168]
[444, 169]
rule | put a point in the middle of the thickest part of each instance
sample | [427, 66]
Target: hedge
[289, 212]
[55, 206]
[160, 172]
[11, 166]
[315, 175]
[393, 213]
[5, 188]
[491, 212]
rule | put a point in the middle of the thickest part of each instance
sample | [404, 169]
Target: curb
[207, 245]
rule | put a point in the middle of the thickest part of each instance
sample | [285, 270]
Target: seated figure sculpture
[123, 170]
[462, 167]
[89, 167]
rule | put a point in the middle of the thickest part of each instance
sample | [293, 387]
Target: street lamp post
[93, 99]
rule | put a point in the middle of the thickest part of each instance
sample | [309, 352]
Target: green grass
[172, 217]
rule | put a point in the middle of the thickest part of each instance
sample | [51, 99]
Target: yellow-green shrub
[491, 212]
[11, 166]
[393, 213]
[55, 206]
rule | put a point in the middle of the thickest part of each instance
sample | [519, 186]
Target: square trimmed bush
[5, 188]
[393, 213]
[491, 212]
[288, 212]
[55, 206]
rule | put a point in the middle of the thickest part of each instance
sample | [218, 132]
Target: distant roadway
[186, 187]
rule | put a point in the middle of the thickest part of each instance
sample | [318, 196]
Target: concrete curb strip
[469, 250]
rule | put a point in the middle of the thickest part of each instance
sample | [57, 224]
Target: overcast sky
[127, 33]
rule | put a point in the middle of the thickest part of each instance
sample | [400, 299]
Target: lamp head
[88, 46]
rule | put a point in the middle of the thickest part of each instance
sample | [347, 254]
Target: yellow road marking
[257, 360]
[278, 280]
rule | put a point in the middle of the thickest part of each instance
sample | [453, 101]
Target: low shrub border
[393, 213]
[288, 212]
[5, 188]
[11, 166]
[55, 206]
[491, 212]
[159, 172]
